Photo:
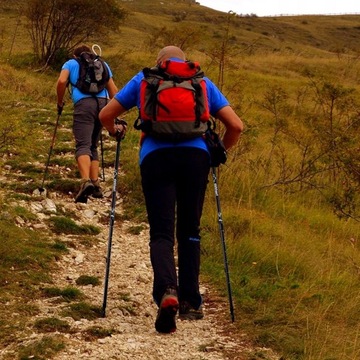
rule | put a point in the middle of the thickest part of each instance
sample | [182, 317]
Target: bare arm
[61, 86]
[111, 88]
[108, 114]
[233, 124]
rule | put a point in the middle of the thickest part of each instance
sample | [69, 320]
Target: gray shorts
[87, 127]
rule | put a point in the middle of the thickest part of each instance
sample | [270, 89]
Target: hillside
[322, 33]
[273, 33]
[290, 194]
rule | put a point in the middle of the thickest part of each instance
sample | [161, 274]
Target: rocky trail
[130, 313]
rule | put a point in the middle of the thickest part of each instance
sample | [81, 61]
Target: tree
[58, 25]
[320, 149]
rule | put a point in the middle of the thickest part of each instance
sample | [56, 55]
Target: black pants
[174, 183]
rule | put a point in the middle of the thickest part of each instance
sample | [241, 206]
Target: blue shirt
[73, 66]
[129, 97]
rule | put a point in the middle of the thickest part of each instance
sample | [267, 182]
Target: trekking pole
[222, 236]
[41, 189]
[112, 220]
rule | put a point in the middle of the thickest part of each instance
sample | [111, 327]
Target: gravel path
[130, 312]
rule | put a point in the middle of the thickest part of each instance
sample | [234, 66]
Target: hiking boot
[86, 189]
[97, 193]
[187, 312]
[169, 305]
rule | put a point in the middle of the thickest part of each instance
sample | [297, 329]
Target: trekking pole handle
[120, 134]
[120, 122]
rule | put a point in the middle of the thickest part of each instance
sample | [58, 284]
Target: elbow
[236, 133]
[232, 134]
[231, 120]
[62, 82]
[237, 127]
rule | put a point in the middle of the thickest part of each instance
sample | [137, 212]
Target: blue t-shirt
[129, 97]
[73, 66]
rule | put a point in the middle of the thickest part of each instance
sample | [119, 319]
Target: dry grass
[294, 265]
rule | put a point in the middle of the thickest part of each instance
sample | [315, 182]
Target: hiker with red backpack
[91, 86]
[175, 102]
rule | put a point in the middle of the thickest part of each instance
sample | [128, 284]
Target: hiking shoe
[86, 189]
[187, 312]
[97, 193]
[169, 305]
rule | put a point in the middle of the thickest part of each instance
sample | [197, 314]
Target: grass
[46, 348]
[82, 310]
[87, 280]
[51, 325]
[294, 265]
[295, 284]
[68, 294]
[96, 332]
[64, 225]
[26, 260]
[136, 230]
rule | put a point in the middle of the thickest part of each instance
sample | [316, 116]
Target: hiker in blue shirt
[86, 124]
[174, 176]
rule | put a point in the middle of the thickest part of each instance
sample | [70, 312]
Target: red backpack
[173, 101]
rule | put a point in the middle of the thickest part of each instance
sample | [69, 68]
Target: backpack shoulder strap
[155, 72]
[106, 72]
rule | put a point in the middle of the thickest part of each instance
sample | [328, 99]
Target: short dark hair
[81, 49]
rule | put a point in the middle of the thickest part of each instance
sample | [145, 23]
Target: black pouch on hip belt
[215, 146]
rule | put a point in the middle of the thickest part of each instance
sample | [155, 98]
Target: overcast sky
[290, 7]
